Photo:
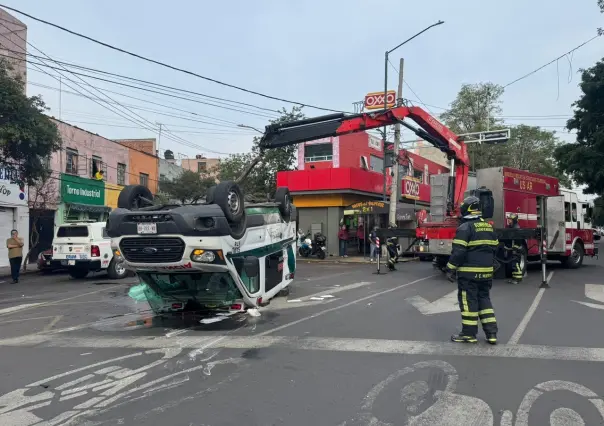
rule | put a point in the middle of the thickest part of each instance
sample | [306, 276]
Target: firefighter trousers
[475, 304]
[517, 273]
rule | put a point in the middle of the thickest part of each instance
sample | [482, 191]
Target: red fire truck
[538, 200]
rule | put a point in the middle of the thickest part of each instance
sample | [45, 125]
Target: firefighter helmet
[470, 208]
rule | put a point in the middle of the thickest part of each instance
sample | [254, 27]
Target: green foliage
[27, 136]
[189, 187]
[262, 180]
[583, 160]
[529, 148]
[597, 218]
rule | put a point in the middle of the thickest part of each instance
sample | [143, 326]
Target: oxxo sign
[410, 188]
[375, 100]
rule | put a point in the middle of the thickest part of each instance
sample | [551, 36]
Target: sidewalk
[352, 259]
[5, 271]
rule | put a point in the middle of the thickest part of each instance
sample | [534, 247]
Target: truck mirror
[251, 266]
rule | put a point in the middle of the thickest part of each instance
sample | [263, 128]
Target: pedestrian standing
[343, 237]
[373, 244]
[15, 254]
[472, 258]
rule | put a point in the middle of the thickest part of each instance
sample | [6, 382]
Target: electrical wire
[163, 64]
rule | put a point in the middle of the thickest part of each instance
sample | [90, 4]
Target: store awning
[88, 208]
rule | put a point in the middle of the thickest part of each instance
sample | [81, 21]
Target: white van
[83, 247]
[222, 254]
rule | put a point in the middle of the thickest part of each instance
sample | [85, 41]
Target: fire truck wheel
[575, 260]
[133, 197]
[523, 264]
[229, 198]
[284, 199]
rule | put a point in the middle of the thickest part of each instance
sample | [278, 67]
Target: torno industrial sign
[75, 189]
[375, 100]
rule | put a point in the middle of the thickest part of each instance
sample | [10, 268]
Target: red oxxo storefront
[337, 176]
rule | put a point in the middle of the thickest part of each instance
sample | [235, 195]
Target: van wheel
[229, 198]
[77, 273]
[237, 230]
[284, 292]
[134, 197]
[284, 199]
[116, 271]
[575, 260]
[210, 194]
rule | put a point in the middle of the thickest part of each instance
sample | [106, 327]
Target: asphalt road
[346, 347]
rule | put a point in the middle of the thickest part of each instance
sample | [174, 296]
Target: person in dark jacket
[514, 247]
[472, 256]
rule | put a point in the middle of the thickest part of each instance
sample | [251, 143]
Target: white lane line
[529, 314]
[333, 344]
[54, 322]
[18, 308]
[4, 312]
[335, 308]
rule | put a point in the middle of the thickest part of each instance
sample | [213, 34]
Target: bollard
[379, 251]
[544, 283]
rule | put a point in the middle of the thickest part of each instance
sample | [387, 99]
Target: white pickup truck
[83, 247]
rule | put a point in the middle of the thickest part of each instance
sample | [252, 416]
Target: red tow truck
[538, 200]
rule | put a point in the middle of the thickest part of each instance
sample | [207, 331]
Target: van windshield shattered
[205, 288]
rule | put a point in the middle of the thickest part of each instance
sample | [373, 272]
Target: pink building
[13, 43]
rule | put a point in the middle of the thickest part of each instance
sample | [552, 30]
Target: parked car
[44, 261]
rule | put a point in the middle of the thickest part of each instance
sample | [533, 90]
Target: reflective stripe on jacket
[474, 247]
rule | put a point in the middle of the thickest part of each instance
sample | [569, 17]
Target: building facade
[169, 170]
[81, 196]
[337, 175]
[13, 43]
[201, 164]
[143, 161]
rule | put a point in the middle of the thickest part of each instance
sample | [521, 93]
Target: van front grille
[152, 249]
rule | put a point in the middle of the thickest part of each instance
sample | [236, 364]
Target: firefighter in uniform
[514, 248]
[472, 257]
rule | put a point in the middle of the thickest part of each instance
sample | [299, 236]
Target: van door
[555, 224]
[273, 270]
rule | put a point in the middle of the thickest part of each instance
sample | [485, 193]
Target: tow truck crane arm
[431, 130]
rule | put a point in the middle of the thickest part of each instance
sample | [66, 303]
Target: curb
[354, 261]
[29, 271]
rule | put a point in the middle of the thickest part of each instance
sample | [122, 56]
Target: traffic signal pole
[394, 192]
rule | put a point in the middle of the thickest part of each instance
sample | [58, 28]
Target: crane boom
[431, 130]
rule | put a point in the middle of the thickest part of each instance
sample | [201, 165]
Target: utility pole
[394, 192]
[159, 136]
[60, 96]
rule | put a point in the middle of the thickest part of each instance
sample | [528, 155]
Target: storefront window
[318, 152]
[377, 164]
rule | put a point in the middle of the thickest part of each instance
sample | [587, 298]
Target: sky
[327, 54]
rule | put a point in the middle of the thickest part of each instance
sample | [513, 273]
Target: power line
[163, 64]
[552, 61]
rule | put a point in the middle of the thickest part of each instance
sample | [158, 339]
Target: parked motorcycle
[316, 247]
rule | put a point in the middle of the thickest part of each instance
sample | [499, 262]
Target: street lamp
[388, 52]
[245, 126]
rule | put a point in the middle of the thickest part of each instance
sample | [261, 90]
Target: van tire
[210, 194]
[229, 197]
[114, 272]
[284, 292]
[130, 197]
[284, 199]
[237, 230]
[77, 273]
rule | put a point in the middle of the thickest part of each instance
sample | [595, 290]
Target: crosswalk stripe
[18, 308]
[383, 346]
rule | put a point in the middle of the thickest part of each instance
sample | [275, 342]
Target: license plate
[147, 228]
[71, 262]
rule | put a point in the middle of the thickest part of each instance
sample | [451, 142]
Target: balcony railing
[318, 158]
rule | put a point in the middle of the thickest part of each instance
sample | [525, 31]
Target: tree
[261, 180]
[42, 197]
[530, 148]
[27, 136]
[583, 160]
[188, 188]
[597, 218]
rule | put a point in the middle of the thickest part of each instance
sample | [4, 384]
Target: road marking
[53, 322]
[25, 319]
[594, 292]
[529, 314]
[12, 309]
[345, 305]
[333, 344]
[447, 303]
[4, 312]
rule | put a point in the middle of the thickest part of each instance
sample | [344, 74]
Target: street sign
[488, 137]
[375, 100]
